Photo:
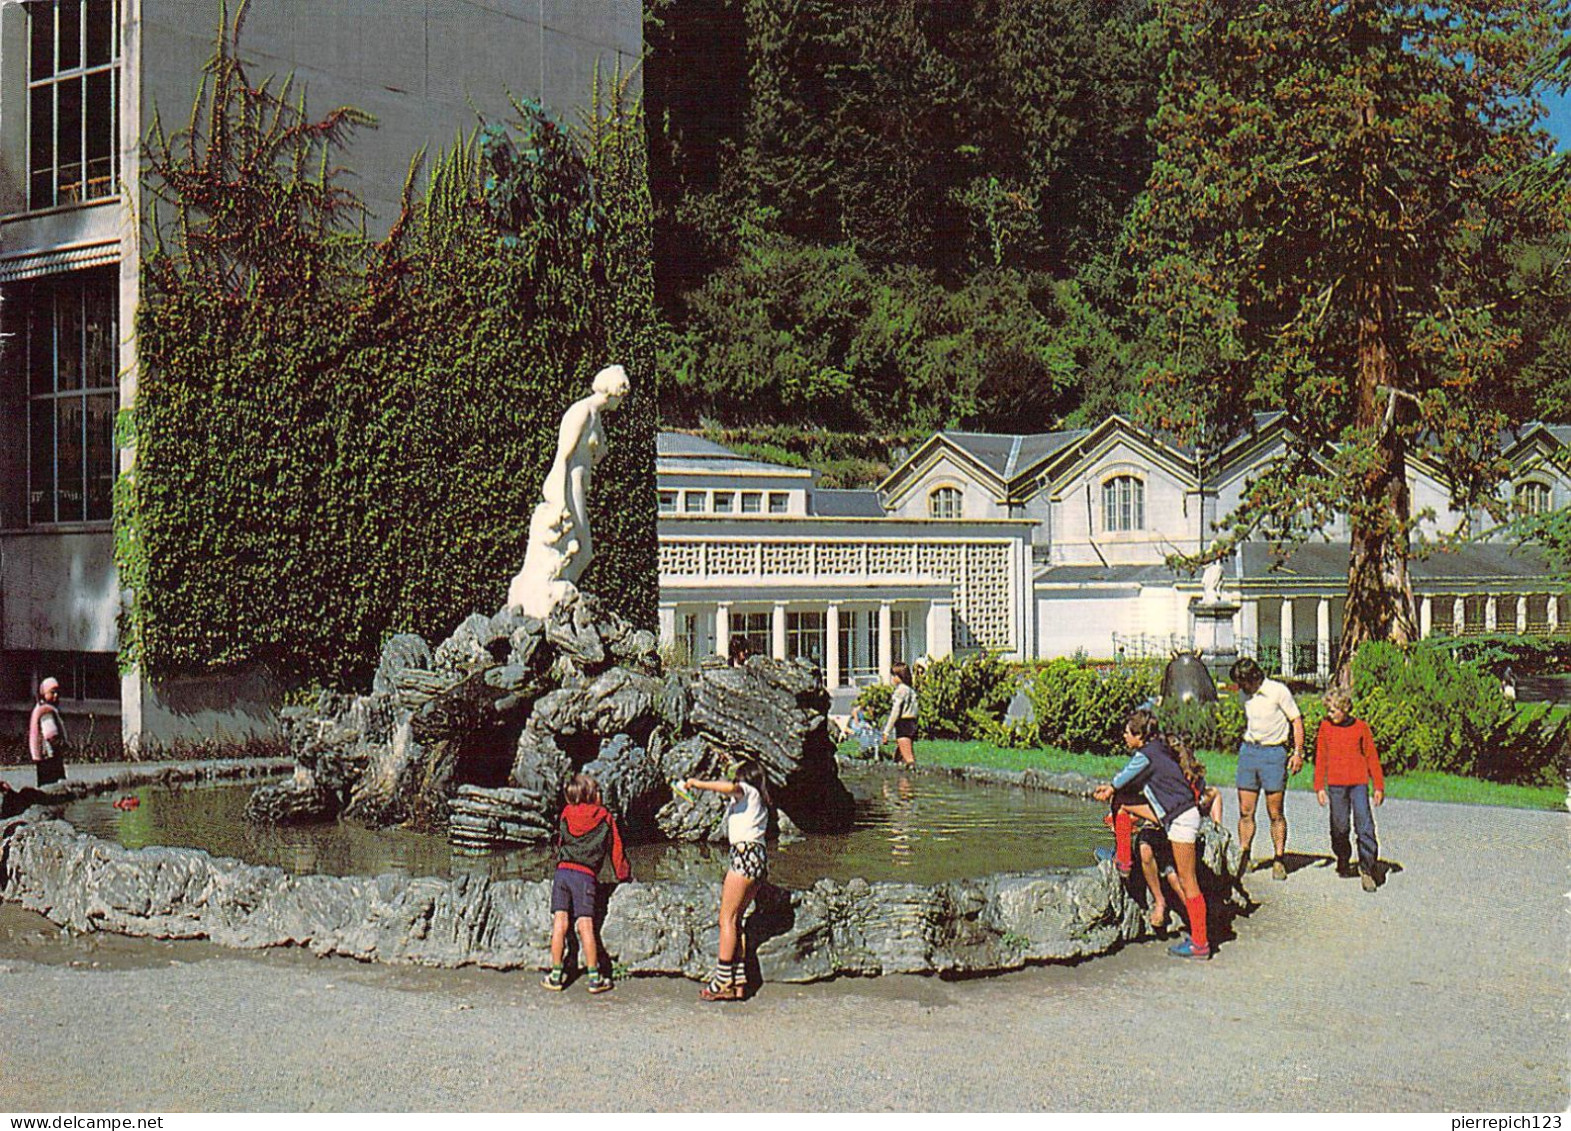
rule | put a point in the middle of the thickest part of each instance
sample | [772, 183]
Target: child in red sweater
[586, 835]
[1345, 764]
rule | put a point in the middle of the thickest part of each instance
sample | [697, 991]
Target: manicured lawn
[1416, 786]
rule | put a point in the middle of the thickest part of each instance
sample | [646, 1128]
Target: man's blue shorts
[574, 892]
[1262, 768]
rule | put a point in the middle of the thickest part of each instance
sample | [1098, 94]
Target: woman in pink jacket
[46, 735]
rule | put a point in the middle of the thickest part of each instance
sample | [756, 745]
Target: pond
[910, 827]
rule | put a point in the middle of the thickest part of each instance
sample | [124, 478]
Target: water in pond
[915, 828]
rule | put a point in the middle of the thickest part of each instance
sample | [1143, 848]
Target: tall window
[900, 635]
[1533, 497]
[73, 100]
[805, 636]
[757, 630]
[70, 354]
[1123, 504]
[944, 503]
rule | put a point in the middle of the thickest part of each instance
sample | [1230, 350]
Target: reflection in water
[912, 827]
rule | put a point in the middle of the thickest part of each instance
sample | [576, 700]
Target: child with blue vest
[1171, 793]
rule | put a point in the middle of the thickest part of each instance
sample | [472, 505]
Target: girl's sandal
[713, 992]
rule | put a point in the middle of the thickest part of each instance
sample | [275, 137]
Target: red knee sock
[1195, 909]
[1124, 840]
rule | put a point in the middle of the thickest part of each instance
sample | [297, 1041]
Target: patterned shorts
[750, 860]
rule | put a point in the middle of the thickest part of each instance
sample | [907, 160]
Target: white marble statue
[1211, 584]
[560, 546]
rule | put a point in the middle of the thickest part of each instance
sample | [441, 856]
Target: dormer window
[1533, 497]
[752, 502]
[944, 502]
[1123, 504]
[693, 502]
[725, 502]
[778, 502]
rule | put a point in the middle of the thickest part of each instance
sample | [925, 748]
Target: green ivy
[339, 439]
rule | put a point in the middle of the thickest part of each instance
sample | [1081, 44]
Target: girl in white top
[747, 823]
[902, 714]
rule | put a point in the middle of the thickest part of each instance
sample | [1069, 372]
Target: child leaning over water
[586, 835]
[1345, 764]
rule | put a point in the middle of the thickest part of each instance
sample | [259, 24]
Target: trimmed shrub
[956, 697]
[1081, 707]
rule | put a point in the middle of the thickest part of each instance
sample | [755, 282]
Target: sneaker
[1105, 855]
[1345, 870]
[597, 983]
[555, 980]
[1367, 879]
[1278, 870]
[1188, 949]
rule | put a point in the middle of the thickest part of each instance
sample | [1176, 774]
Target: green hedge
[957, 697]
[338, 440]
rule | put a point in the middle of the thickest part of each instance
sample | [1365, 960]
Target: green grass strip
[1418, 785]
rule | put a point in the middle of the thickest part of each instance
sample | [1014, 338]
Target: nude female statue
[560, 544]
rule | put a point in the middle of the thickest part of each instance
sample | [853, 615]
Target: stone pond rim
[987, 924]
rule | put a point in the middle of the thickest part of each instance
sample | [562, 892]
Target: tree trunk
[1380, 602]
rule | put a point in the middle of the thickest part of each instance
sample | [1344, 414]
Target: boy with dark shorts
[586, 835]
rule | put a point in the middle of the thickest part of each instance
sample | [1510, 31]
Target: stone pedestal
[1211, 633]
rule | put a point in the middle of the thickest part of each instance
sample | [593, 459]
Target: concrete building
[80, 83]
[1091, 515]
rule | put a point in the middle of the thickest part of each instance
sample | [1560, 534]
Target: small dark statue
[1186, 680]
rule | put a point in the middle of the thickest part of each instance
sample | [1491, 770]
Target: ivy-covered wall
[336, 440]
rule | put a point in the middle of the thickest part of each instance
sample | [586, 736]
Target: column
[832, 646]
[723, 630]
[1521, 614]
[1491, 613]
[886, 639]
[1553, 612]
[1323, 637]
[668, 627]
[777, 643]
[1287, 635]
[1426, 617]
[1458, 615]
[940, 629]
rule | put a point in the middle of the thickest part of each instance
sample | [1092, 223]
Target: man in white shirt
[1264, 765]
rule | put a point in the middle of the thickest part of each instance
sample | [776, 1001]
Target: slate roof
[677, 451]
[1008, 455]
[1328, 560]
[833, 502]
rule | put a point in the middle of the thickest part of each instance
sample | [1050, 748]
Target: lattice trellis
[938, 559]
[840, 559]
[982, 596]
[787, 558]
[682, 559]
[889, 559]
[733, 559]
[980, 572]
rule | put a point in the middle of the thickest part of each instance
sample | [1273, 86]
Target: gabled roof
[1010, 456]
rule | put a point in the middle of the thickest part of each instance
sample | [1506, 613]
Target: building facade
[1054, 544]
[80, 84]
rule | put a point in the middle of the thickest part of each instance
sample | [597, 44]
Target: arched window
[1123, 504]
[1533, 497]
[944, 502]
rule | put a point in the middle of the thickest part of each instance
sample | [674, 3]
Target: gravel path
[1445, 991]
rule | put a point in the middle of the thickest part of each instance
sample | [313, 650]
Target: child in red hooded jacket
[586, 834]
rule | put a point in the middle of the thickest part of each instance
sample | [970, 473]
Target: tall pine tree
[1329, 230]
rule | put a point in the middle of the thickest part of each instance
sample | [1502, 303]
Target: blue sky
[1560, 119]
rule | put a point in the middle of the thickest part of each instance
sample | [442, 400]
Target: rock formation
[479, 735]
